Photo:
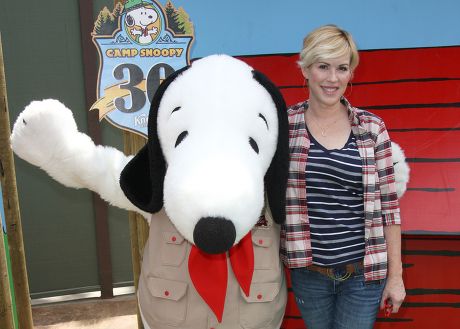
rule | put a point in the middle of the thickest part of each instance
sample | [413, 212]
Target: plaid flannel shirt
[381, 206]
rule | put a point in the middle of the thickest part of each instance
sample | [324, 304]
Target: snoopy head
[217, 149]
[141, 16]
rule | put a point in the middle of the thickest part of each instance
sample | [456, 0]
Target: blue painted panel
[240, 27]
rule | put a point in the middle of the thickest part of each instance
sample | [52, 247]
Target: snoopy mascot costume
[211, 179]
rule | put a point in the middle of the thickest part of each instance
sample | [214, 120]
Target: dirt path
[119, 313]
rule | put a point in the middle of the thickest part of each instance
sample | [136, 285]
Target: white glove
[45, 134]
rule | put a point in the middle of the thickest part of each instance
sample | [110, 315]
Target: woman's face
[328, 79]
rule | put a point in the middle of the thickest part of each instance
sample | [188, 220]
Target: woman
[342, 237]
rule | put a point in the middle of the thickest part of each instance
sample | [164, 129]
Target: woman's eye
[254, 145]
[323, 67]
[181, 137]
[343, 69]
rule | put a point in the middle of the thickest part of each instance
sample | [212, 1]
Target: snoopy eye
[263, 118]
[181, 137]
[129, 20]
[254, 145]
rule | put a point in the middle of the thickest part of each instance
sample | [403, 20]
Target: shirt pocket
[265, 255]
[173, 249]
[263, 304]
[168, 300]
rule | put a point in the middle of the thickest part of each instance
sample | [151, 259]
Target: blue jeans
[327, 303]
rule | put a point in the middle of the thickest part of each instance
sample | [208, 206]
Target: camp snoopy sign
[140, 44]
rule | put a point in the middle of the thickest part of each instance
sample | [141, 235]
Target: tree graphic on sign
[177, 19]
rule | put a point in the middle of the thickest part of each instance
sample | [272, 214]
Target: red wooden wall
[431, 277]
[417, 93]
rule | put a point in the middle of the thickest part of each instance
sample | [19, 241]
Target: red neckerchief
[209, 272]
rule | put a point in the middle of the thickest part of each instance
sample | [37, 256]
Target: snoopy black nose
[214, 235]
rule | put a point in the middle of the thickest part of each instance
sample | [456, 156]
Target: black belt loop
[357, 267]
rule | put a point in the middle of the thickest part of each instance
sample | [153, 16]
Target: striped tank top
[335, 203]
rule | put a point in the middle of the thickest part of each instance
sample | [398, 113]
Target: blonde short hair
[327, 42]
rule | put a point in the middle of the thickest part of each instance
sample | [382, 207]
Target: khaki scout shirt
[168, 299]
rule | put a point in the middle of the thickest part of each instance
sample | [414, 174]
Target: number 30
[156, 75]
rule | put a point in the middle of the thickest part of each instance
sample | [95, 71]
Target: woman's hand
[393, 294]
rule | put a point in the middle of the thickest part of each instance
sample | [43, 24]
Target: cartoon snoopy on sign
[141, 21]
[212, 176]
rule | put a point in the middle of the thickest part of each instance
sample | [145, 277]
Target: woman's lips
[330, 90]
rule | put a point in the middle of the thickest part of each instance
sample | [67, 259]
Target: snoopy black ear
[142, 179]
[277, 174]
[136, 183]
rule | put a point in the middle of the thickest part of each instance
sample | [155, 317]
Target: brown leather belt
[346, 271]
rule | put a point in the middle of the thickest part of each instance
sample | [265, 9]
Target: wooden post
[11, 207]
[132, 143]
[104, 260]
[139, 228]
[6, 312]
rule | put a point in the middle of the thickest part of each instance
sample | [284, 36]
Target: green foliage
[171, 17]
[107, 22]
[184, 21]
[117, 10]
[178, 20]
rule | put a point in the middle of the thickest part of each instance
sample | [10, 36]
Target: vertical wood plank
[139, 229]
[100, 206]
[11, 207]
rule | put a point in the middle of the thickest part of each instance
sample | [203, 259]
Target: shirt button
[173, 239]
[261, 241]
[259, 296]
[166, 293]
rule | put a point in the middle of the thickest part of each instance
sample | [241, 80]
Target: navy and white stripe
[335, 203]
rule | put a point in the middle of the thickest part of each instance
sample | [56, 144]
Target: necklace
[325, 128]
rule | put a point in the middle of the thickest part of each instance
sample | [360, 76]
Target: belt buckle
[330, 274]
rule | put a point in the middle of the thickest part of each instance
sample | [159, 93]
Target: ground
[119, 313]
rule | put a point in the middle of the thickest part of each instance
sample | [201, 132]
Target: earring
[350, 90]
[305, 89]
[305, 83]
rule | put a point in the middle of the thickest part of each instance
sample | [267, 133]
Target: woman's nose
[332, 76]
